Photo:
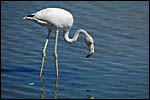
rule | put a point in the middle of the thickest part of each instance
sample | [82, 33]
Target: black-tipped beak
[88, 55]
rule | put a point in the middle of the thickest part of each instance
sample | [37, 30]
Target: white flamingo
[59, 19]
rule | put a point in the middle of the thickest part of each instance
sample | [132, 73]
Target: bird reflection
[56, 88]
[44, 91]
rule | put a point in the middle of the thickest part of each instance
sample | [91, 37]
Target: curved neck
[76, 35]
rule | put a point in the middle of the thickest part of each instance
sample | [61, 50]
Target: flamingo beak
[89, 55]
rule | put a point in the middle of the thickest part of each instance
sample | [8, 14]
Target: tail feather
[28, 16]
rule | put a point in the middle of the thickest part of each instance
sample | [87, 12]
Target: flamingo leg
[55, 53]
[44, 54]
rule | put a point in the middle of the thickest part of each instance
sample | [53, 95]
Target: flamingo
[59, 19]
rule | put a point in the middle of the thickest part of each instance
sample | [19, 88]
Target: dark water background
[118, 69]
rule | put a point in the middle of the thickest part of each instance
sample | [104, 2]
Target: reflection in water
[42, 86]
[90, 97]
[56, 88]
[44, 92]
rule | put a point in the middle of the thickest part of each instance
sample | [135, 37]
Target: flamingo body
[53, 18]
[59, 19]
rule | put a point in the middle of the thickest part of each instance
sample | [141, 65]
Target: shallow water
[118, 69]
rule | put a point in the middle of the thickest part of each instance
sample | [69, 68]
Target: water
[118, 69]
